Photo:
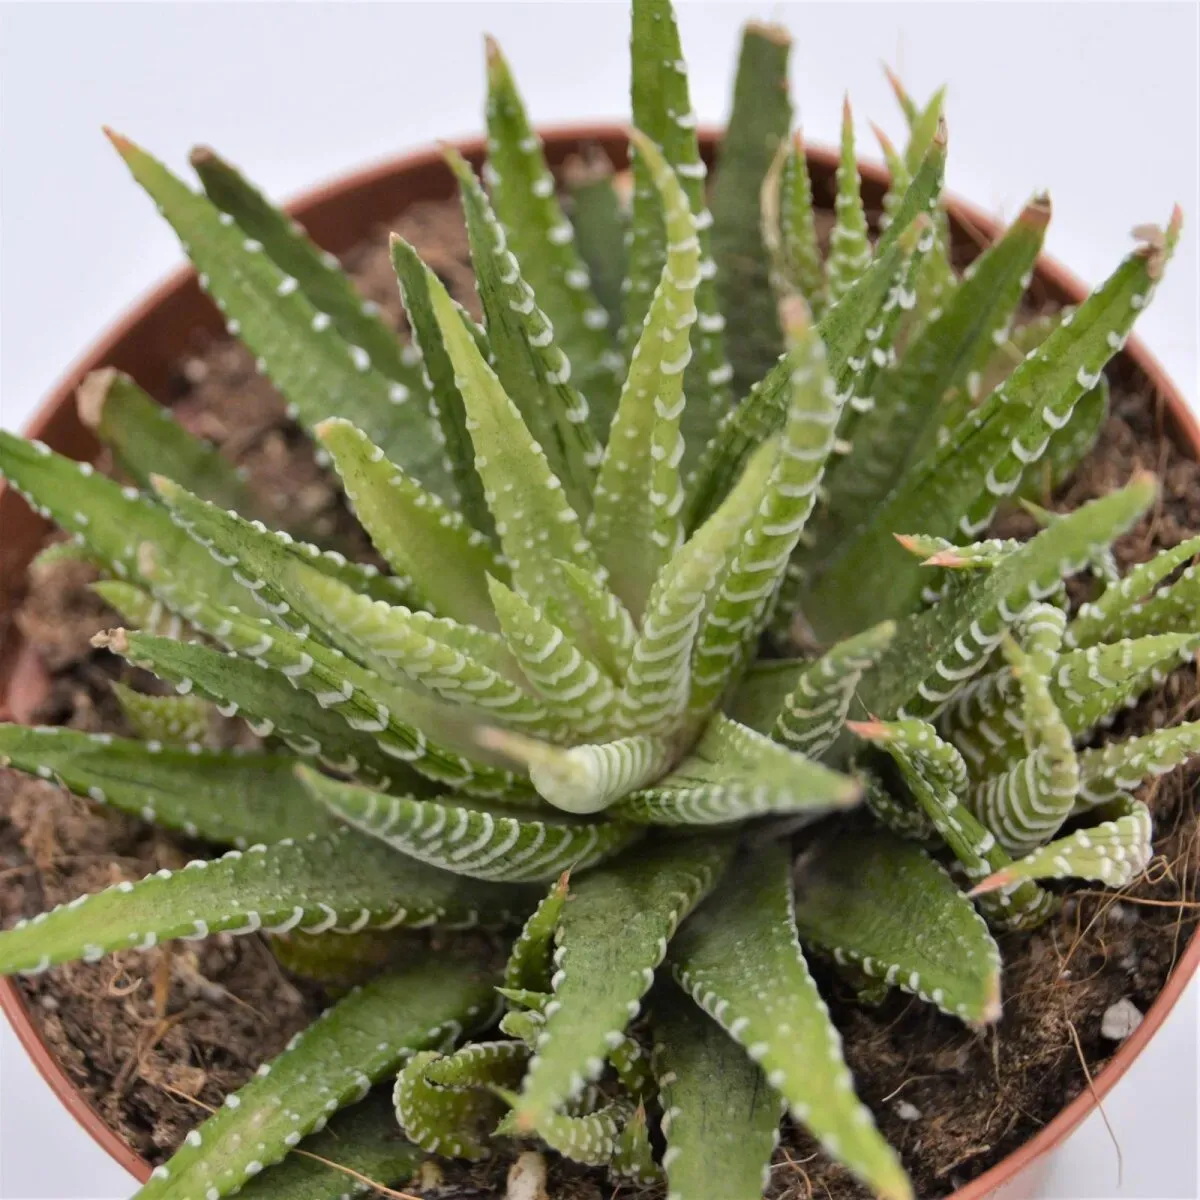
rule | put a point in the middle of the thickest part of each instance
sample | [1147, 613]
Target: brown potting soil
[152, 1039]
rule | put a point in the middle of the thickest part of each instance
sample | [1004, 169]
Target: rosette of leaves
[550, 717]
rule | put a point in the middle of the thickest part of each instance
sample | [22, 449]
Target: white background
[1097, 102]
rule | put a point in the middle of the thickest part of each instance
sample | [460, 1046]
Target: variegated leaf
[227, 798]
[469, 840]
[344, 881]
[883, 905]
[333, 1063]
[739, 959]
[613, 933]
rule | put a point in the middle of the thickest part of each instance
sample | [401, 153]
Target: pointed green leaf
[720, 1120]
[445, 562]
[734, 774]
[234, 799]
[759, 120]
[332, 1064]
[361, 1139]
[1106, 618]
[635, 523]
[884, 905]
[575, 690]
[742, 430]
[797, 227]
[613, 630]
[662, 110]
[815, 711]
[343, 881]
[299, 346]
[1107, 772]
[444, 1102]
[432, 654]
[448, 405]
[270, 705]
[147, 440]
[1068, 446]
[1026, 804]
[535, 522]
[613, 933]
[315, 272]
[849, 244]
[525, 355]
[1087, 686]
[1113, 853]
[937, 778]
[987, 455]
[468, 840]
[600, 226]
[529, 962]
[657, 686]
[934, 654]
[420, 731]
[167, 720]
[944, 354]
[740, 960]
[742, 606]
[523, 192]
[110, 520]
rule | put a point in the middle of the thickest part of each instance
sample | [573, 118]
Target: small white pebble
[906, 1111]
[527, 1178]
[1120, 1020]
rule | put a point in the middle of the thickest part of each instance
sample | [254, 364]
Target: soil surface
[153, 1039]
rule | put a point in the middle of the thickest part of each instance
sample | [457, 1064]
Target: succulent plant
[561, 714]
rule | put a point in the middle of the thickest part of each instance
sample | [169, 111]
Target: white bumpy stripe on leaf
[1028, 802]
[468, 840]
[937, 777]
[814, 713]
[742, 606]
[1112, 853]
[636, 524]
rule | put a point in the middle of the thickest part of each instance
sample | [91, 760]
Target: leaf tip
[1155, 244]
[897, 87]
[203, 156]
[497, 68]
[993, 883]
[873, 730]
[885, 142]
[949, 557]
[92, 394]
[1037, 212]
[770, 31]
[123, 146]
[794, 317]
[166, 489]
[993, 1008]
[116, 640]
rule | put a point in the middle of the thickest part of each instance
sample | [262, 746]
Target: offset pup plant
[551, 716]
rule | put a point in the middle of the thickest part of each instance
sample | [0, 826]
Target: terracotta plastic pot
[155, 334]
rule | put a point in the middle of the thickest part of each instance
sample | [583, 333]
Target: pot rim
[559, 140]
